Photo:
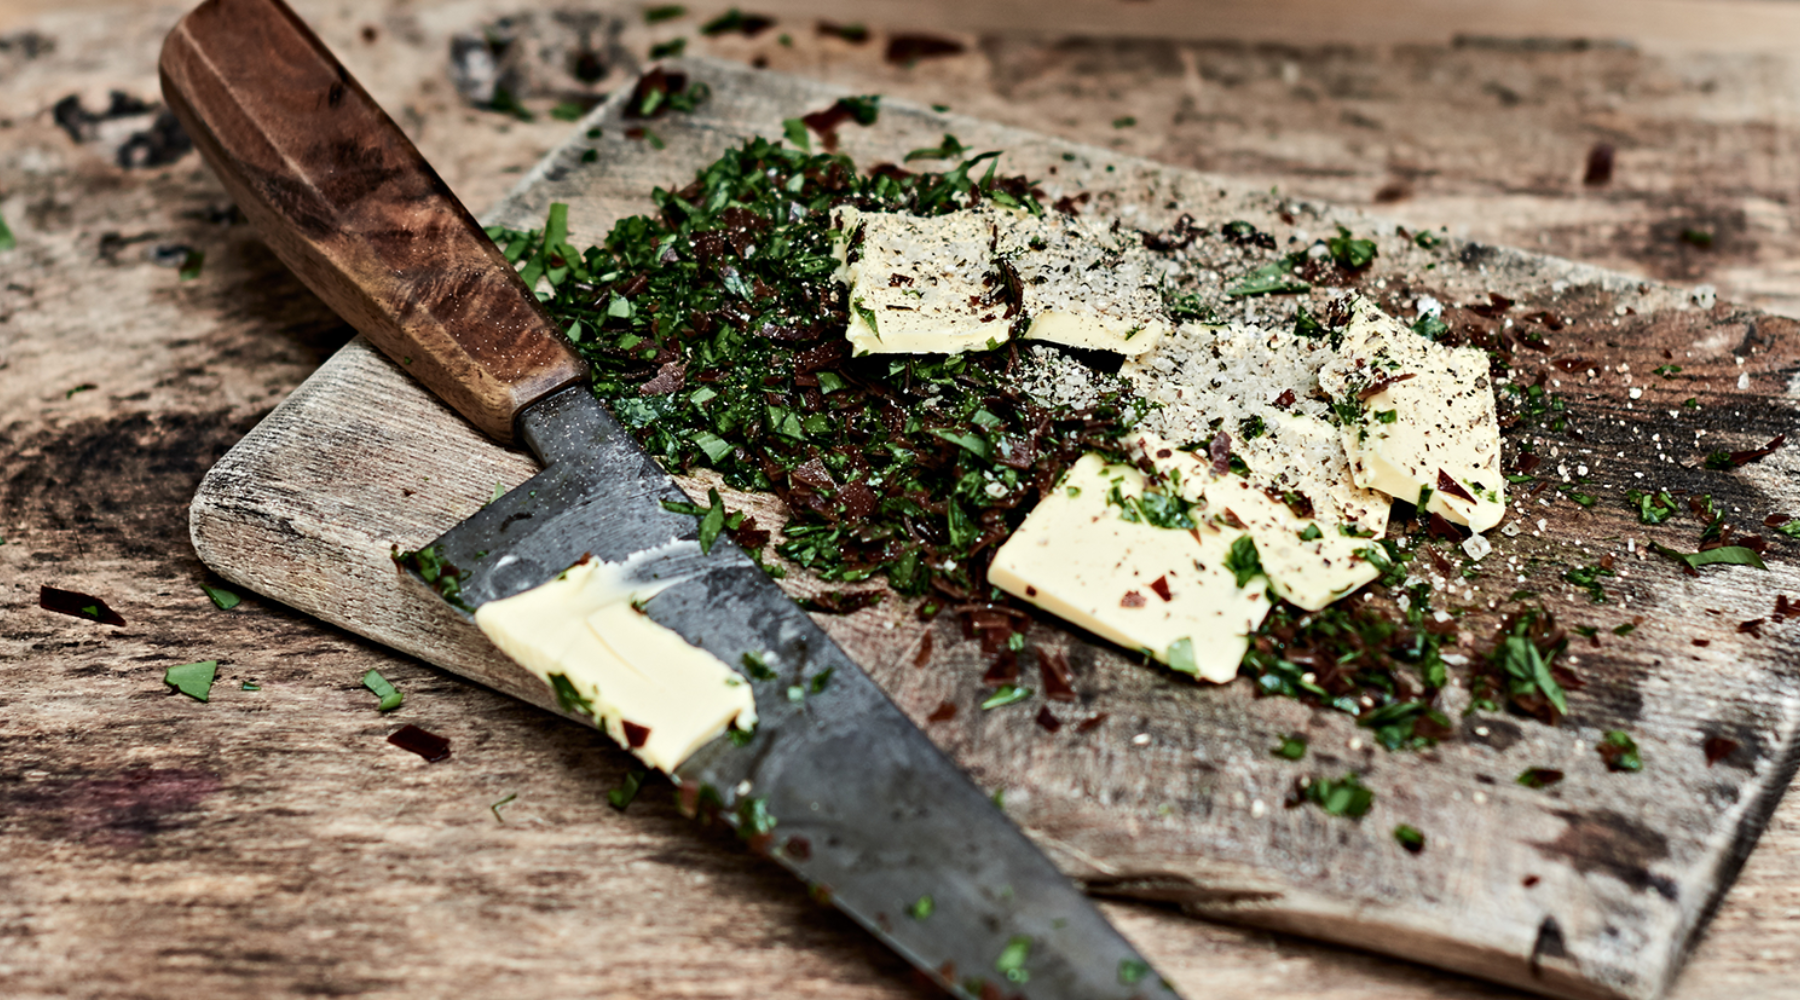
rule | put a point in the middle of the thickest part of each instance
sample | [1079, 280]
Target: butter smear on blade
[647, 687]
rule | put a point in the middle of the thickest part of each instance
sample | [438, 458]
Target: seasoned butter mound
[967, 280]
[647, 687]
[1420, 422]
[1261, 389]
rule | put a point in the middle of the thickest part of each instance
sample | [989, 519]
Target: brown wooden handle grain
[348, 204]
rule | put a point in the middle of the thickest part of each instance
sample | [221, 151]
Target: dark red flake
[1004, 670]
[1220, 453]
[1380, 385]
[430, 746]
[1702, 642]
[943, 713]
[1132, 599]
[1718, 748]
[1531, 880]
[1496, 305]
[825, 123]
[1048, 719]
[669, 378]
[1599, 165]
[1058, 679]
[1448, 484]
[1286, 399]
[1090, 723]
[910, 48]
[1783, 609]
[798, 848]
[635, 735]
[1776, 520]
[923, 656]
[1757, 454]
[79, 605]
[1070, 204]
[1438, 526]
[1752, 627]
[1161, 586]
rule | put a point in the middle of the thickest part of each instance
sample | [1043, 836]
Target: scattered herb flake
[1346, 796]
[249, 686]
[1181, 657]
[193, 679]
[7, 240]
[671, 49]
[1243, 561]
[1005, 694]
[1125, 121]
[191, 264]
[1410, 838]
[223, 599]
[1539, 777]
[922, 908]
[1013, 957]
[1350, 253]
[1619, 751]
[629, 786]
[568, 698]
[495, 808]
[664, 12]
[1132, 971]
[1292, 747]
[1728, 555]
[390, 696]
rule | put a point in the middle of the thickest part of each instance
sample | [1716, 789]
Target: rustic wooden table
[271, 843]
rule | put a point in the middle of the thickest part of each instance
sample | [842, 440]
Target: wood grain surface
[271, 843]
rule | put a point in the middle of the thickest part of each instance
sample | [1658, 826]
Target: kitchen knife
[837, 786]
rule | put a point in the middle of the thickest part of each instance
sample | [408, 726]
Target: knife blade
[837, 786]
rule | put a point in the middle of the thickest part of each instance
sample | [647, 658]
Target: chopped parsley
[1652, 508]
[713, 517]
[568, 698]
[1588, 579]
[665, 12]
[1243, 561]
[1013, 957]
[1005, 694]
[1619, 751]
[1539, 777]
[1132, 971]
[753, 817]
[1727, 555]
[193, 679]
[1346, 796]
[1276, 278]
[7, 240]
[922, 908]
[1410, 838]
[1292, 747]
[390, 695]
[628, 789]
[222, 599]
[1350, 253]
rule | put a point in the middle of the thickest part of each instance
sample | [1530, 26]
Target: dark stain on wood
[121, 809]
[1604, 842]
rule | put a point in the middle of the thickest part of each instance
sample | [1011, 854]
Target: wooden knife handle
[348, 204]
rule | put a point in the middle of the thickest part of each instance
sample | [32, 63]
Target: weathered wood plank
[1594, 889]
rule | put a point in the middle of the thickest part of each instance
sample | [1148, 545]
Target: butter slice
[583, 626]
[922, 285]
[1078, 559]
[1442, 432]
[1308, 572]
[1083, 286]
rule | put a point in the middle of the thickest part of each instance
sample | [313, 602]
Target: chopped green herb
[1690, 403]
[1311, 533]
[1789, 528]
[1005, 694]
[1619, 751]
[1728, 555]
[390, 696]
[495, 808]
[83, 387]
[1011, 962]
[753, 816]
[1346, 796]
[249, 686]
[1719, 461]
[1292, 747]
[948, 149]
[1132, 971]
[758, 666]
[796, 133]
[1653, 508]
[1410, 838]
[1181, 657]
[191, 264]
[1276, 278]
[1667, 371]
[1431, 326]
[7, 240]
[671, 49]
[665, 12]
[1124, 122]
[1588, 578]
[1525, 667]
[629, 786]
[1539, 777]
[1386, 416]
[922, 908]
[1243, 561]
[568, 698]
[1426, 240]
[1625, 629]
[222, 599]
[820, 681]
[568, 111]
[193, 679]
[1349, 252]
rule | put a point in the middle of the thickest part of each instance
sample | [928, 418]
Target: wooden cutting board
[1594, 887]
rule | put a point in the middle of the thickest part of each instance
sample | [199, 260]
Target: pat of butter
[922, 285]
[1139, 585]
[1309, 563]
[582, 626]
[1083, 286]
[1426, 422]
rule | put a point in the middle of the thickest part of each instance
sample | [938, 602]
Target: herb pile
[714, 329]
